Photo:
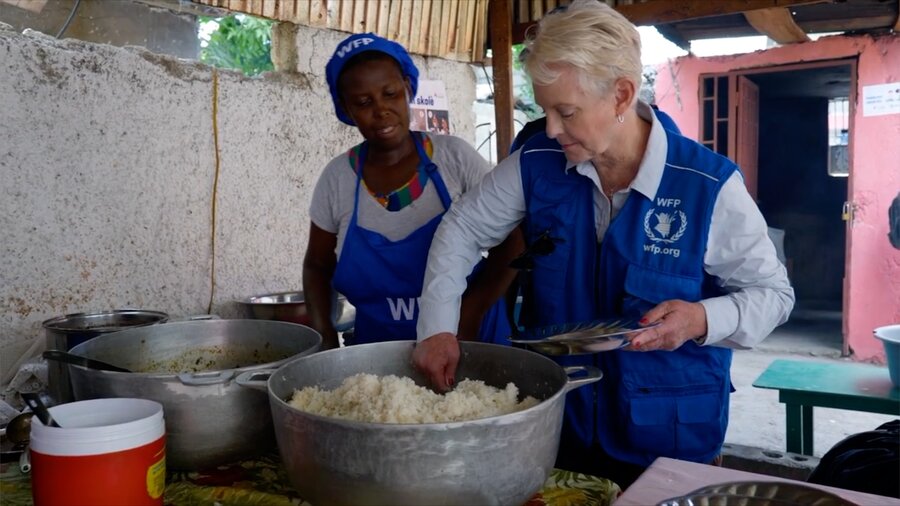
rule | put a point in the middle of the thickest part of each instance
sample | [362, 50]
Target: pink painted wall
[874, 266]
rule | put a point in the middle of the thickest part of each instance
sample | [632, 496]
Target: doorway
[799, 175]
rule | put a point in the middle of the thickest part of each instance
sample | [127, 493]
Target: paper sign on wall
[430, 110]
[881, 99]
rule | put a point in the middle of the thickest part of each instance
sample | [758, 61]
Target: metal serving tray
[581, 338]
[757, 493]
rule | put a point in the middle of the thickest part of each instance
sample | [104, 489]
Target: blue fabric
[356, 44]
[382, 279]
[649, 404]
[667, 122]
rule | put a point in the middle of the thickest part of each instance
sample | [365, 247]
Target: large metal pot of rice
[189, 367]
[501, 460]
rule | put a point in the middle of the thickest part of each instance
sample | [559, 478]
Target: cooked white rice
[391, 399]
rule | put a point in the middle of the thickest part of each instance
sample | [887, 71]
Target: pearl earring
[620, 118]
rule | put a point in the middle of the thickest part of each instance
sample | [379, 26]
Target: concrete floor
[758, 419]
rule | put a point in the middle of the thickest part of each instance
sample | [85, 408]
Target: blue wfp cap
[356, 44]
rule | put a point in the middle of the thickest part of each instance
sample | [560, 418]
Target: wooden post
[501, 47]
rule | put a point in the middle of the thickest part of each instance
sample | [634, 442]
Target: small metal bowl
[291, 307]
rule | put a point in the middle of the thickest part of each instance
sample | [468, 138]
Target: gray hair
[590, 36]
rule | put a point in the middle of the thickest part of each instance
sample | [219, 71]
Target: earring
[620, 118]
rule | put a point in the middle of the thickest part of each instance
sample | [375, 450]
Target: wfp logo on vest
[665, 226]
[402, 309]
[350, 46]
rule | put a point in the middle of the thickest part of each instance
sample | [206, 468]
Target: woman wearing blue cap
[375, 207]
[624, 219]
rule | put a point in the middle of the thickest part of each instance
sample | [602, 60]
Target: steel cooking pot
[499, 460]
[189, 368]
[67, 331]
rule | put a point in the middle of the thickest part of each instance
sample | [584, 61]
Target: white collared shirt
[739, 253]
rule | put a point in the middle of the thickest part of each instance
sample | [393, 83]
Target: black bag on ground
[865, 462]
[894, 222]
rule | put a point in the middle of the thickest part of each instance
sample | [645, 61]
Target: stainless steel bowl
[291, 307]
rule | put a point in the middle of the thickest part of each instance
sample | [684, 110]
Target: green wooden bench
[803, 385]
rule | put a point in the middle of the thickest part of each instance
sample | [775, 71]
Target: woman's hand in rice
[436, 357]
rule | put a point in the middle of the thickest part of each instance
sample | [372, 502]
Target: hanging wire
[215, 188]
[69, 20]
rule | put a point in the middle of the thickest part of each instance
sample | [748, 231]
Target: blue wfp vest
[649, 404]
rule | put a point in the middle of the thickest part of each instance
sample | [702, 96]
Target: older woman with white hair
[624, 219]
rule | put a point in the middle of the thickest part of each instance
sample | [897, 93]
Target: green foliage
[525, 101]
[516, 53]
[239, 42]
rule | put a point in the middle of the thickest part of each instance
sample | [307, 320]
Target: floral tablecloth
[264, 482]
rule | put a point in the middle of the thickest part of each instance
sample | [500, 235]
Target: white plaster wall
[107, 168]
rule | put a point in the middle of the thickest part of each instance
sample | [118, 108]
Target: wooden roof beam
[500, 27]
[663, 12]
[656, 12]
[777, 24]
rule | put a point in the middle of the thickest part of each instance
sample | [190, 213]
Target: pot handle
[197, 317]
[25, 460]
[206, 378]
[593, 375]
[257, 380]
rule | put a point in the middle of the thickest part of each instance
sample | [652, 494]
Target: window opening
[838, 137]
[714, 123]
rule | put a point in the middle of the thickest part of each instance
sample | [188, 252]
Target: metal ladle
[18, 432]
[18, 429]
[90, 363]
[33, 400]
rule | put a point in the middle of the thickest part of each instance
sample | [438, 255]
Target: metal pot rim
[544, 404]
[254, 300]
[175, 376]
[55, 323]
[547, 403]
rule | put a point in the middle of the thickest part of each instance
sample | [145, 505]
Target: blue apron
[383, 278]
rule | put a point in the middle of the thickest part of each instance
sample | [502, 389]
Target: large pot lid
[105, 321]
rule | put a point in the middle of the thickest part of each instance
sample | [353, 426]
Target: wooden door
[729, 122]
[744, 149]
